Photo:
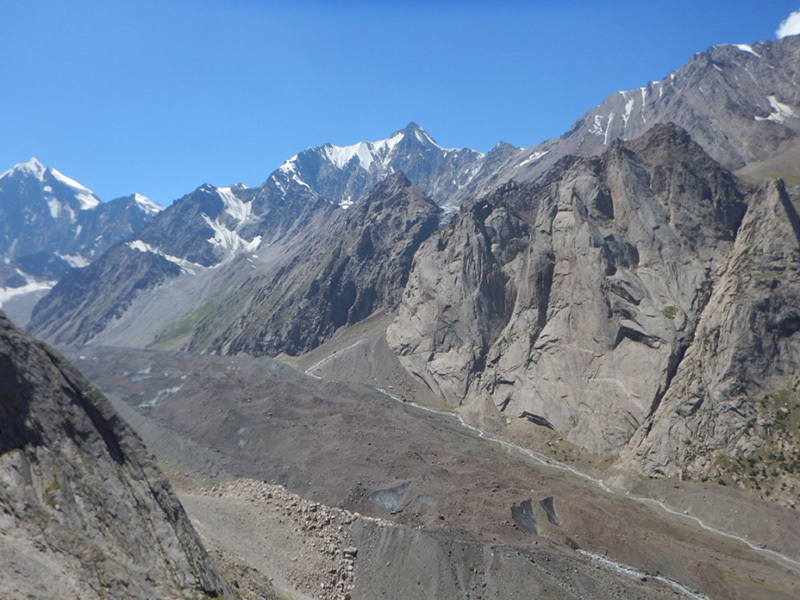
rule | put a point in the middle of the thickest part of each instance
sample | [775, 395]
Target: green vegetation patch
[670, 311]
[186, 324]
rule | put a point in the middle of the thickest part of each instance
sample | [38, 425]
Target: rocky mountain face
[741, 103]
[328, 278]
[335, 268]
[50, 223]
[90, 298]
[735, 394]
[342, 174]
[84, 510]
[581, 299]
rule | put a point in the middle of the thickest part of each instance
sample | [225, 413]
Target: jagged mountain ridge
[50, 223]
[85, 512]
[740, 102]
[334, 268]
[344, 173]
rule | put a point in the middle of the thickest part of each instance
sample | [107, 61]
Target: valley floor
[428, 501]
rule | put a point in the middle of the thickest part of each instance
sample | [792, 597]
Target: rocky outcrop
[574, 300]
[746, 345]
[84, 512]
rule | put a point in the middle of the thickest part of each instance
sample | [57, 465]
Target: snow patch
[597, 126]
[780, 111]
[148, 206]
[235, 207]
[7, 293]
[185, 265]
[628, 109]
[54, 206]
[608, 128]
[342, 155]
[533, 157]
[73, 260]
[289, 166]
[84, 195]
[228, 240]
[746, 48]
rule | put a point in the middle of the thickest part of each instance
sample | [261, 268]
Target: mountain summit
[50, 223]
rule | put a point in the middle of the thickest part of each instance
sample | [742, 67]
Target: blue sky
[161, 97]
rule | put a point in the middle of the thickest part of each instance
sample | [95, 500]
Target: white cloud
[791, 26]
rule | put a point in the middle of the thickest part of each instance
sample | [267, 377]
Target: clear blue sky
[161, 96]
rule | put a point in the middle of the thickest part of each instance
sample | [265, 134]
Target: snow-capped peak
[30, 167]
[47, 176]
[83, 194]
[148, 206]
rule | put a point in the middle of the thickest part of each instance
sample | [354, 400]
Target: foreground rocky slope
[85, 512]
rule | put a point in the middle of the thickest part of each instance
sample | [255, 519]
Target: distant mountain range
[583, 280]
[50, 223]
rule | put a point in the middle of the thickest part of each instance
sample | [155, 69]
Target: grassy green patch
[670, 311]
[185, 324]
[54, 486]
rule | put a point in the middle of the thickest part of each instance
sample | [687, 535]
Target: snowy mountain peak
[148, 206]
[30, 167]
[83, 194]
[48, 178]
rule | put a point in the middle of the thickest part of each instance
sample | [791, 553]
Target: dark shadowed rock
[84, 512]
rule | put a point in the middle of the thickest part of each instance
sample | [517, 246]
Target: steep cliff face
[575, 299]
[721, 403]
[83, 510]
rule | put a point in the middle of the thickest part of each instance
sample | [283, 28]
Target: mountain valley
[400, 370]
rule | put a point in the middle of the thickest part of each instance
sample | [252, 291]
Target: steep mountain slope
[85, 512]
[49, 223]
[317, 268]
[331, 277]
[740, 103]
[735, 395]
[574, 300]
